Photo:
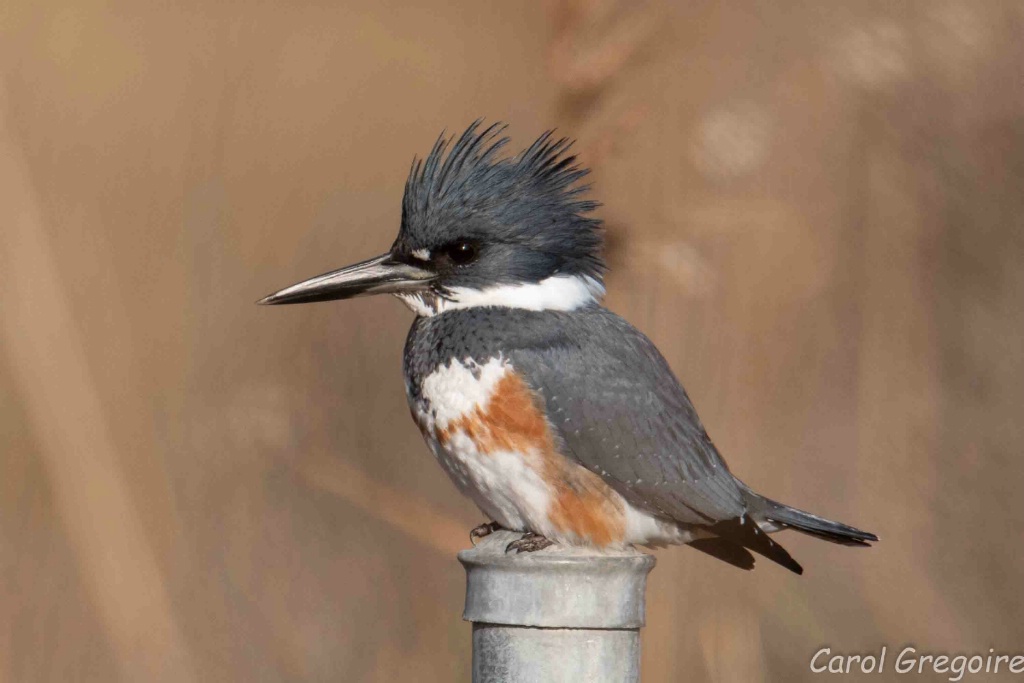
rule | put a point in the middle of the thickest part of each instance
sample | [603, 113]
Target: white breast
[456, 390]
[502, 483]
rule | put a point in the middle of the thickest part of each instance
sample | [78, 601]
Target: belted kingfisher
[554, 415]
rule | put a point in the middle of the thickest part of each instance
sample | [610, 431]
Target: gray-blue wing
[620, 412]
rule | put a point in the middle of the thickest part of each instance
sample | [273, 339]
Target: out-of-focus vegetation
[815, 209]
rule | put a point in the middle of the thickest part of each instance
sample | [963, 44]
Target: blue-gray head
[482, 229]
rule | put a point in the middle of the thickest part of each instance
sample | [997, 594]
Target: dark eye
[461, 252]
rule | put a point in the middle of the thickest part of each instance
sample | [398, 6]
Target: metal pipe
[558, 614]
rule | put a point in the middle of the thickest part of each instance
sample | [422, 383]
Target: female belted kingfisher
[554, 415]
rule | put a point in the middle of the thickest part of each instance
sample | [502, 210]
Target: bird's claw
[530, 542]
[485, 529]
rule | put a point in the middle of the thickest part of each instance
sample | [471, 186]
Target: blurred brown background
[815, 209]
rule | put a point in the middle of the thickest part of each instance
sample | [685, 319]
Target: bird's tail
[767, 510]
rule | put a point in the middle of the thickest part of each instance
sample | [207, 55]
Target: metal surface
[559, 614]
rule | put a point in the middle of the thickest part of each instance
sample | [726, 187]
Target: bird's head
[482, 230]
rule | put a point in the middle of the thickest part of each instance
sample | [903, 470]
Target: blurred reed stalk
[45, 353]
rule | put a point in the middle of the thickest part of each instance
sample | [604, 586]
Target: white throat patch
[556, 293]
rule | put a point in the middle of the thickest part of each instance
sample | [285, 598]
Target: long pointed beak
[380, 275]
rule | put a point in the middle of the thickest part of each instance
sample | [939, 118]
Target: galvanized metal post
[559, 614]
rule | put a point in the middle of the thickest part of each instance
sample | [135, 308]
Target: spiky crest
[531, 199]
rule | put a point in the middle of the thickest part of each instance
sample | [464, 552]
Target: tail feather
[814, 525]
[732, 540]
[744, 531]
[726, 551]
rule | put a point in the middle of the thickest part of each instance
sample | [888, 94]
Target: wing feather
[619, 411]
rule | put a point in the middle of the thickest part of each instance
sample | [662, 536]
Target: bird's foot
[485, 529]
[530, 542]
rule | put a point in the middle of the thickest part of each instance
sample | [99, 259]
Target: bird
[555, 416]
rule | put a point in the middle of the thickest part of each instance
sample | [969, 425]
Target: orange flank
[513, 420]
